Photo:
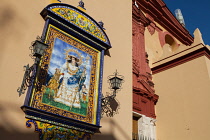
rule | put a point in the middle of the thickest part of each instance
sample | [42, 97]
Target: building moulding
[182, 54]
[158, 12]
[144, 102]
[143, 88]
[181, 57]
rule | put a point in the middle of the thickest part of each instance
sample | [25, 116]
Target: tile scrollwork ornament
[52, 132]
[80, 20]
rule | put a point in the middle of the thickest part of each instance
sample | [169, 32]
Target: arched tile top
[80, 19]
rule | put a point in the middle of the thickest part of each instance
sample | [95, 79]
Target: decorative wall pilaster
[143, 87]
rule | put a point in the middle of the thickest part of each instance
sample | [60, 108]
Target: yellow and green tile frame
[49, 131]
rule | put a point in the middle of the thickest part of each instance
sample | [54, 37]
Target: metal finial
[101, 24]
[81, 4]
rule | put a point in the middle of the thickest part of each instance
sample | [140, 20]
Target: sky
[196, 14]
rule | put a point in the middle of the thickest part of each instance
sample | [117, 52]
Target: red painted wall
[144, 97]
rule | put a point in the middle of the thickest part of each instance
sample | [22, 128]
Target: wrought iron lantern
[37, 51]
[115, 82]
[38, 48]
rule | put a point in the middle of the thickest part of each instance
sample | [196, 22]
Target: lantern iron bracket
[37, 51]
[115, 81]
[28, 78]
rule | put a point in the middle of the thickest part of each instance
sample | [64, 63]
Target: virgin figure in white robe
[72, 78]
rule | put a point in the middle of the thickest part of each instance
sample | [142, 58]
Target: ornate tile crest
[79, 19]
[52, 132]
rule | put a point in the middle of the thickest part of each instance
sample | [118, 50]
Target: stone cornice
[144, 93]
[162, 15]
[180, 58]
[138, 16]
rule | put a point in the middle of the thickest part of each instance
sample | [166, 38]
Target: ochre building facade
[165, 94]
[176, 68]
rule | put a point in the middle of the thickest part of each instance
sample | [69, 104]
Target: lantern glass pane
[38, 45]
[38, 50]
[114, 82]
[119, 81]
[41, 52]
